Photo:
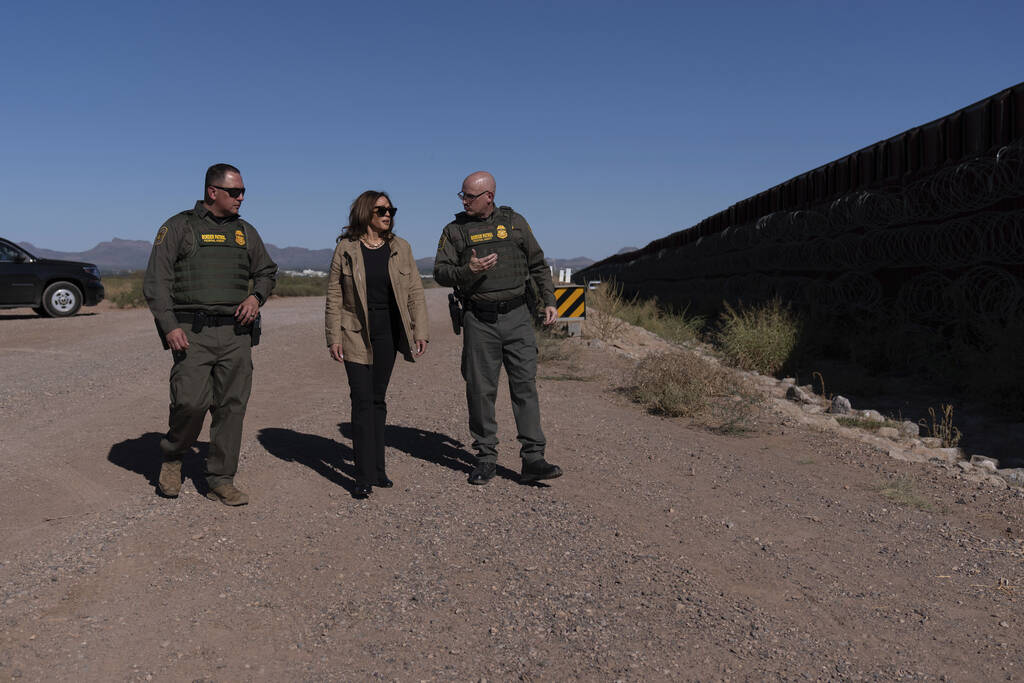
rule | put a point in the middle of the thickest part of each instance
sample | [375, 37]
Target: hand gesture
[479, 265]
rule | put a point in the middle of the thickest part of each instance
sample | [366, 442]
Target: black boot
[536, 470]
[482, 473]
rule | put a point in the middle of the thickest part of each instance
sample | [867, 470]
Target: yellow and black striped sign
[571, 302]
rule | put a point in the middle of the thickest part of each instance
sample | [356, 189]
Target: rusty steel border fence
[976, 130]
[921, 231]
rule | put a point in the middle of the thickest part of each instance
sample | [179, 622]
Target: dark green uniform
[498, 326]
[201, 264]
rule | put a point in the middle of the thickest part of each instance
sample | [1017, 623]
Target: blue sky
[607, 124]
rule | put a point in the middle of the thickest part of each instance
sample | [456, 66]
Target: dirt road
[666, 552]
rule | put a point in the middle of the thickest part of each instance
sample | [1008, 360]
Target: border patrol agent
[197, 286]
[487, 254]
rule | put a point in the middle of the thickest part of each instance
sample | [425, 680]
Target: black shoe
[482, 473]
[537, 470]
[362, 491]
[384, 483]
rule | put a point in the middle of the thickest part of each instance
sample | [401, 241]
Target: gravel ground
[666, 552]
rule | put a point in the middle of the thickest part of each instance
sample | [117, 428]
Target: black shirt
[378, 281]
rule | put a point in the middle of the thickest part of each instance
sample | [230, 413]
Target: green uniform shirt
[451, 265]
[175, 241]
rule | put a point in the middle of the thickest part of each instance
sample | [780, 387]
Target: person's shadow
[434, 447]
[142, 456]
[327, 457]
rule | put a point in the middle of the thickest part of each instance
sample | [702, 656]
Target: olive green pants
[214, 374]
[486, 347]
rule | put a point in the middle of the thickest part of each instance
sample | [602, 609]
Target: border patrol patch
[440, 243]
[502, 233]
[481, 237]
[160, 235]
[239, 238]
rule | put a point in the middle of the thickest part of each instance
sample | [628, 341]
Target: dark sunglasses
[235, 192]
[385, 210]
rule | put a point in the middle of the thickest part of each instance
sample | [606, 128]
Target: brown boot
[170, 478]
[228, 494]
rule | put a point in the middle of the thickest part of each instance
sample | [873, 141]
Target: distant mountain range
[120, 255]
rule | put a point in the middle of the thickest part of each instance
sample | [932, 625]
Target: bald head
[481, 181]
[478, 194]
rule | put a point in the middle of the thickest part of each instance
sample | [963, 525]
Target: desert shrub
[677, 384]
[129, 297]
[551, 345]
[124, 291]
[760, 338]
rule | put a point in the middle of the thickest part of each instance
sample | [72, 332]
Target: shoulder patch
[160, 235]
[440, 242]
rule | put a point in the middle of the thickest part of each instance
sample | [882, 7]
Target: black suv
[50, 287]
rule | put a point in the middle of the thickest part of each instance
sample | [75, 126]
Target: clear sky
[607, 124]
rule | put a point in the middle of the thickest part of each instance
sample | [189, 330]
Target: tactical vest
[216, 272]
[508, 242]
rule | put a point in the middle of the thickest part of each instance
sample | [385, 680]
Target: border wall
[921, 234]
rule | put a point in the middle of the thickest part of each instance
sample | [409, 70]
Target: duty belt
[199, 320]
[497, 306]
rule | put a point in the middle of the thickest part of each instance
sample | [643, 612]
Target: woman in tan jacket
[375, 309]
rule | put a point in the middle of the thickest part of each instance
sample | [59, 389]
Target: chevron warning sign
[571, 302]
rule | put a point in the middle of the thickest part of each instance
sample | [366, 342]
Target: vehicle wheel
[62, 299]
[40, 311]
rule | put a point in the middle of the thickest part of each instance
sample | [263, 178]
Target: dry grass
[760, 338]
[862, 423]
[940, 425]
[608, 313]
[299, 285]
[900, 491]
[125, 291]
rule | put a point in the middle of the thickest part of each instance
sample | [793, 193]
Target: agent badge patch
[502, 234]
[160, 235]
[239, 238]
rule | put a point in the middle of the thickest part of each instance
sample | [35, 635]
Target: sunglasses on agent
[234, 192]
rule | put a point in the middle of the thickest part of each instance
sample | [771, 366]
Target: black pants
[368, 385]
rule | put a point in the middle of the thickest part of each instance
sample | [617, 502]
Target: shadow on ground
[433, 447]
[328, 458]
[142, 456]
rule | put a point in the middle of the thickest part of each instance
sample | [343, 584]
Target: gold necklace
[378, 245]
